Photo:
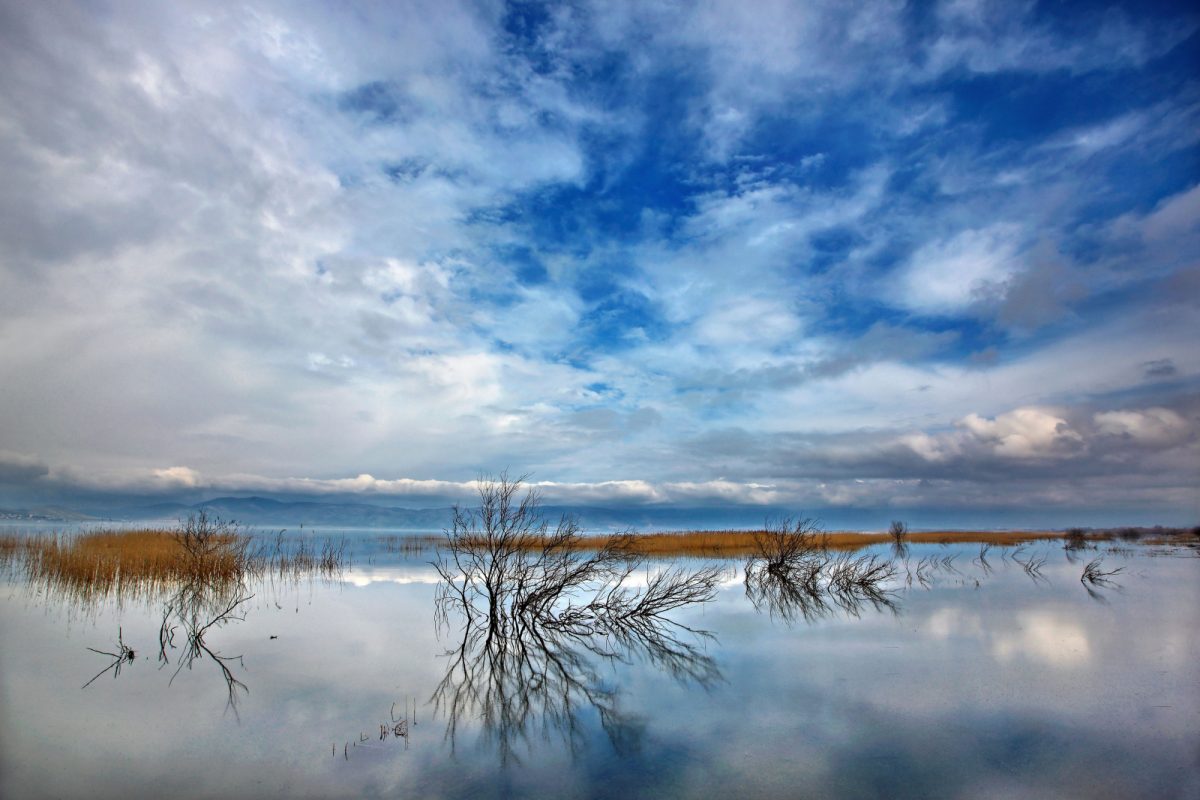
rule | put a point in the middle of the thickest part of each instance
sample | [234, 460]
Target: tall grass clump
[746, 543]
[102, 563]
[202, 551]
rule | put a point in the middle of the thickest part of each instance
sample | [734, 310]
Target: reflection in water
[203, 572]
[794, 576]
[541, 618]
[199, 571]
[124, 655]
[923, 571]
[982, 559]
[819, 585]
[1095, 576]
[1045, 637]
[399, 729]
[1031, 564]
[199, 607]
[1037, 693]
[536, 678]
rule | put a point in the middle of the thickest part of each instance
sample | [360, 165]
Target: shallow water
[981, 684]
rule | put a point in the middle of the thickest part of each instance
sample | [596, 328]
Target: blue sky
[815, 255]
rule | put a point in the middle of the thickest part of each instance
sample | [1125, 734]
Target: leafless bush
[1075, 539]
[855, 580]
[785, 544]
[794, 576]
[1032, 565]
[982, 560]
[541, 613]
[503, 561]
[205, 538]
[898, 531]
[921, 572]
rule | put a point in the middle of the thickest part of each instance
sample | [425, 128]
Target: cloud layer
[789, 254]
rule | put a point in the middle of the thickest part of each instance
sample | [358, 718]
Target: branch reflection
[542, 621]
[793, 576]
[198, 608]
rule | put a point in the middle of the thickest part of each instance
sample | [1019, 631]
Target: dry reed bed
[149, 562]
[737, 544]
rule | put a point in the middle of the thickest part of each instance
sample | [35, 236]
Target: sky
[814, 255]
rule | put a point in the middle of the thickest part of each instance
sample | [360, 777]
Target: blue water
[985, 683]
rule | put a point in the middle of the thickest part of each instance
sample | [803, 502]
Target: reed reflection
[200, 573]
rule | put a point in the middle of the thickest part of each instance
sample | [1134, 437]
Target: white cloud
[209, 257]
[949, 275]
[1025, 433]
[1155, 427]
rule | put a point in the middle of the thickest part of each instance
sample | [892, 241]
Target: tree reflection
[821, 586]
[793, 576]
[542, 620]
[198, 608]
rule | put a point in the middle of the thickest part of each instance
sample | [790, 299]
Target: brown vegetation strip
[739, 543]
[742, 543]
[103, 562]
[126, 563]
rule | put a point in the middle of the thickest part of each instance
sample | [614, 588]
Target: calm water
[982, 684]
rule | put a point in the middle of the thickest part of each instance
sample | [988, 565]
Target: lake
[972, 678]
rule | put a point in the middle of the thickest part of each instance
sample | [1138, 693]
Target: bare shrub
[793, 575]
[784, 545]
[502, 560]
[1075, 539]
[540, 613]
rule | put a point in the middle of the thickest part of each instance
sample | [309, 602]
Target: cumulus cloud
[1024, 433]
[1151, 427]
[1039, 434]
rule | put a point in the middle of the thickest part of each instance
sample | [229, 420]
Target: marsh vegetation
[203, 551]
[740, 544]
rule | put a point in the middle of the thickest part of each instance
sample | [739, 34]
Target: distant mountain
[49, 514]
[264, 511]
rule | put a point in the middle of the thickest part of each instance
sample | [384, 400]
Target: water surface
[987, 682]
